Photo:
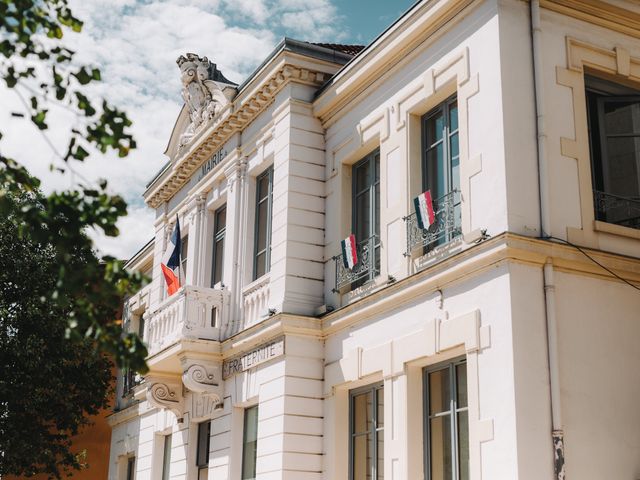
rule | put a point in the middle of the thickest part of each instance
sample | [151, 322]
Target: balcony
[624, 211]
[446, 227]
[367, 267]
[194, 313]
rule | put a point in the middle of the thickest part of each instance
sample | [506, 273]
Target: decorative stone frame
[398, 358]
[617, 63]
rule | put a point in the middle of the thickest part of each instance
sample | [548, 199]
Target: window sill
[614, 229]
[440, 253]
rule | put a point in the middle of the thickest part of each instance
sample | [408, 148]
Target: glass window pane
[380, 454]
[202, 452]
[363, 176]
[621, 174]
[439, 391]
[435, 128]
[361, 457]
[263, 187]
[260, 264]
[435, 177]
[440, 448]
[380, 411]
[166, 457]
[131, 468]
[453, 116]
[363, 216]
[461, 385]
[262, 225]
[463, 445]
[221, 219]
[362, 405]
[218, 256]
[250, 443]
[621, 116]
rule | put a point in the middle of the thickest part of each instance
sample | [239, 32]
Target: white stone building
[501, 343]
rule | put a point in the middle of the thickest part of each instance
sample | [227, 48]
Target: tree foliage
[48, 384]
[57, 299]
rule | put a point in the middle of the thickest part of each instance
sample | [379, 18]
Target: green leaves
[59, 304]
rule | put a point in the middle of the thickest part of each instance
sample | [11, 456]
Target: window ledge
[616, 229]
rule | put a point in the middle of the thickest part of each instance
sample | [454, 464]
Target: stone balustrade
[191, 313]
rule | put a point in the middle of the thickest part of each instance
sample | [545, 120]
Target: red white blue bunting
[349, 254]
[424, 210]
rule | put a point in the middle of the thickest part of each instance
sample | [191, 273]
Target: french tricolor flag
[424, 210]
[171, 261]
[349, 255]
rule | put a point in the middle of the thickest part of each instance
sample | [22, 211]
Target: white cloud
[136, 44]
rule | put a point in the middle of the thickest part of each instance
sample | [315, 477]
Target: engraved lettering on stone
[251, 359]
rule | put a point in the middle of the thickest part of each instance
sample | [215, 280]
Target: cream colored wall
[465, 60]
[599, 327]
[425, 333]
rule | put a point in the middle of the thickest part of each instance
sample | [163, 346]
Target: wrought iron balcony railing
[616, 209]
[365, 269]
[444, 229]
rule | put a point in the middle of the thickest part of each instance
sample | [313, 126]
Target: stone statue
[205, 92]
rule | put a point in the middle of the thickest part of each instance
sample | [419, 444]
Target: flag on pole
[424, 210]
[171, 261]
[349, 254]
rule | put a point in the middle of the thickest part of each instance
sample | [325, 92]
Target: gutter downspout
[557, 433]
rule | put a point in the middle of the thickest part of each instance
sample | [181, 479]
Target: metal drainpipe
[557, 433]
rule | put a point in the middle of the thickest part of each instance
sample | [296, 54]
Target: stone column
[235, 241]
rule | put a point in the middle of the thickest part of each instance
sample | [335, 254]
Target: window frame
[204, 428]
[184, 254]
[375, 431]
[449, 365]
[218, 237]
[244, 441]
[448, 134]
[267, 248]
[131, 468]
[167, 441]
[373, 190]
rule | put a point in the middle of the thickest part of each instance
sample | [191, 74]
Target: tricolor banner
[349, 254]
[424, 210]
[171, 261]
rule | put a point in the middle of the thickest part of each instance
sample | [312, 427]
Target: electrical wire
[581, 250]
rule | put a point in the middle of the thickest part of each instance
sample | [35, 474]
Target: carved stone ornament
[205, 92]
[164, 394]
[204, 379]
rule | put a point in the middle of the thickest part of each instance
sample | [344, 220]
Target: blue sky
[135, 43]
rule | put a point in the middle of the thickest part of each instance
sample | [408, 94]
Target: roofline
[366, 49]
[139, 252]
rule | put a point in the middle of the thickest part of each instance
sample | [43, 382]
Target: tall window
[262, 250]
[367, 433]
[366, 208]
[250, 443]
[441, 167]
[447, 426]
[131, 468]
[219, 230]
[166, 457]
[614, 136]
[184, 250]
[202, 452]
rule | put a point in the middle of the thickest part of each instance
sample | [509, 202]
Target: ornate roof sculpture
[205, 91]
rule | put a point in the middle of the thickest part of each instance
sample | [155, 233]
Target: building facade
[499, 342]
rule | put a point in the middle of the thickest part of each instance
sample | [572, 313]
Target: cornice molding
[234, 119]
[598, 13]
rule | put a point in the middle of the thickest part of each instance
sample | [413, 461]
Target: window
[219, 229]
[202, 451]
[447, 422]
[131, 468]
[262, 250]
[367, 433]
[614, 137]
[366, 212]
[166, 457]
[250, 443]
[441, 171]
[184, 250]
